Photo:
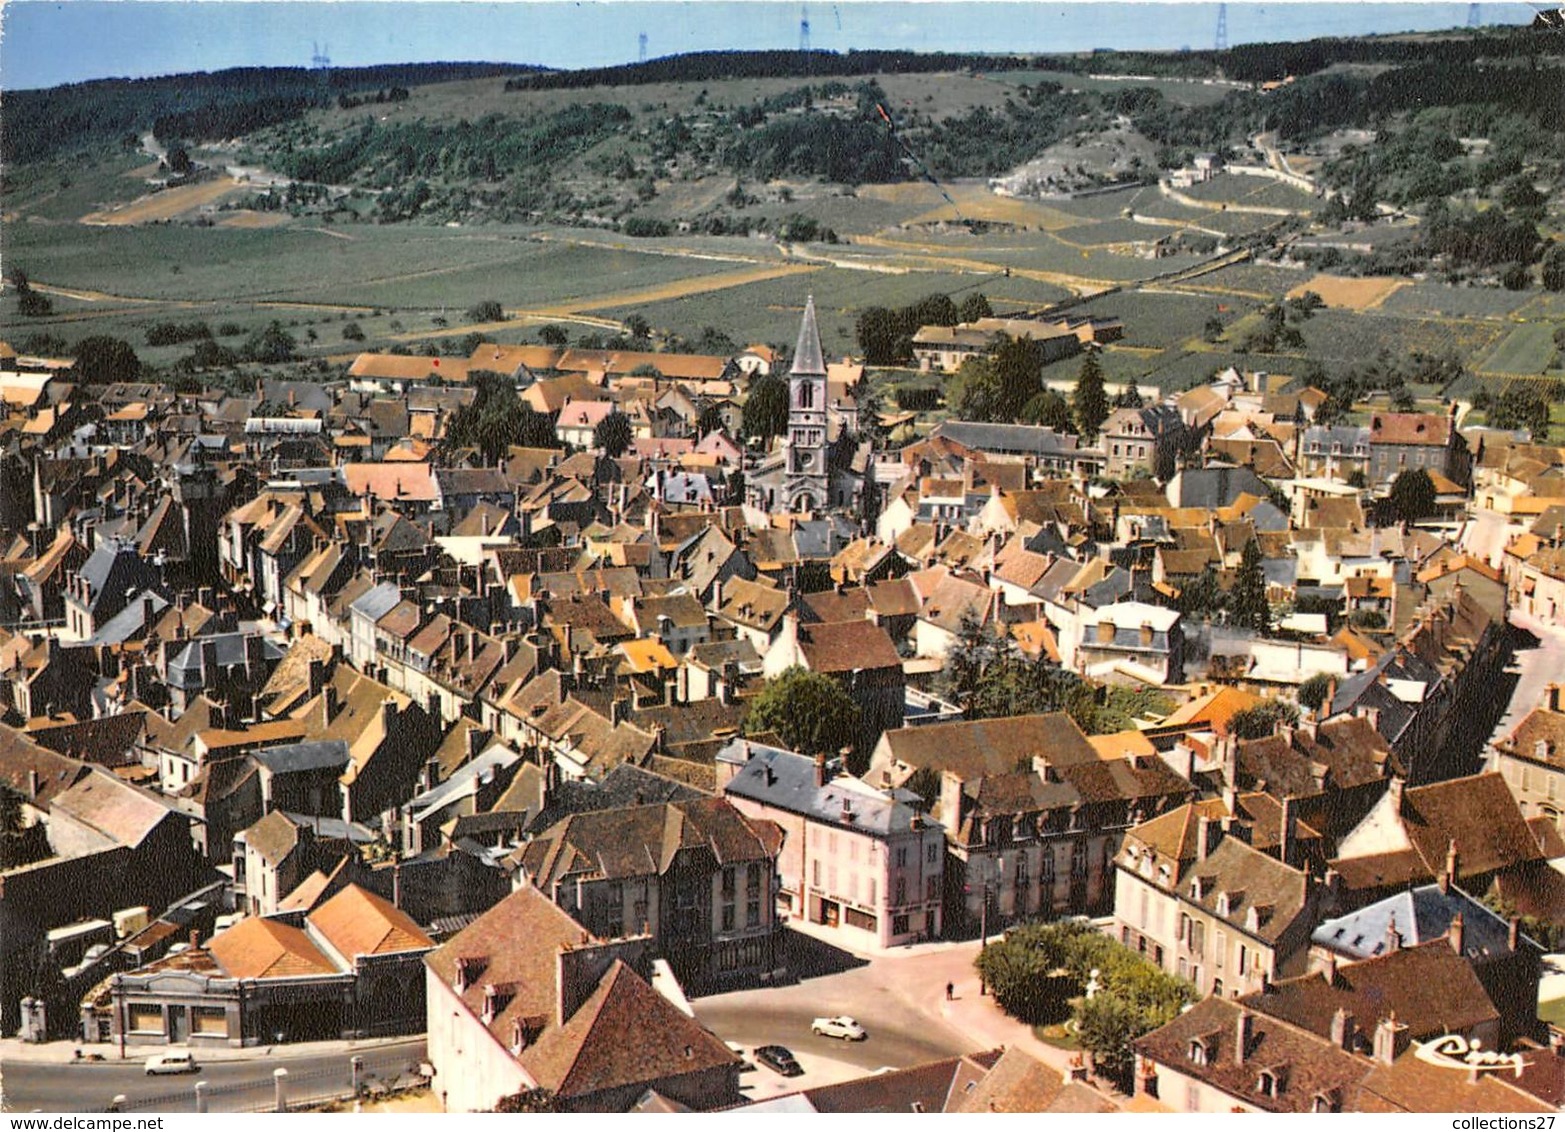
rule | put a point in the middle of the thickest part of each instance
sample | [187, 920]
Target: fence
[379, 1073]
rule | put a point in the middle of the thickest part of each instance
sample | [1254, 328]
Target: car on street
[160, 1063]
[839, 1027]
[778, 1059]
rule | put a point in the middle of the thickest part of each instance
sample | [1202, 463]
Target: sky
[44, 44]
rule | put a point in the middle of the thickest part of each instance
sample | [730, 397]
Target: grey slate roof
[786, 780]
[1033, 440]
[293, 758]
[807, 357]
[378, 602]
[1420, 915]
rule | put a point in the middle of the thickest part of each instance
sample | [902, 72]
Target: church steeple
[807, 482]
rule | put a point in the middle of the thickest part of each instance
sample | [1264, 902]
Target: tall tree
[1129, 397]
[766, 407]
[613, 434]
[975, 307]
[1247, 602]
[101, 360]
[808, 711]
[1090, 403]
[1018, 367]
[1412, 496]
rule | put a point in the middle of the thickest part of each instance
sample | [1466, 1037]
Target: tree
[1522, 407]
[613, 434]
[272, 345]
[101, 360]
[808, 711]
[881, 337]
[1106, 1025]
[974, 393]
[1213, 330]
[1090, 404]
[1050, 410]
[1261, 720]
[975, 307]
[1412, 497]
[495, 420]
[1129, 397]
[352, 332]
[29, 303]
[638, 328]
[1018, 370]
[766, 407]
[710, 419]
[1313, 692]
[528, 1100]
[1247, 602]
[552, 335]
[488, 310]
[1554, 268]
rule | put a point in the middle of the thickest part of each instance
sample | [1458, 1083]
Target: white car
[160, 1063]
[840, 1027]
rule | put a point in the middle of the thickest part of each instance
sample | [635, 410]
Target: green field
[1175, 90]
[1444, 301]
[1256, 278]
[1526, 350]
[1345, 337]
[1159, 319]
[769, 311]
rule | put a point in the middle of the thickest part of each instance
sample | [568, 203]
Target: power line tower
[1222, 27]
[320, 60]
[804, 29]
[641, 43]
[1474, 16]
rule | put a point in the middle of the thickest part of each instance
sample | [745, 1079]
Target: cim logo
[1452, 1051]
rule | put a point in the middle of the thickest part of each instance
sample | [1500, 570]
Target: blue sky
[45, 44]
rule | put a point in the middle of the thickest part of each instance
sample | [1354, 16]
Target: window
[728, 917]
[1079, 860]
[817, 873]
[1197, 1051]
[145, 1019]
[639, 913]
[901, 896]
[614, 920]
[1244, 960]
[1222, 946]
[931, 889]
[901, 856]
[806, 395]
[932, 853]
[870, 896]
[752, 882]
[752, 913]
[899, 925]
[1046, 872]
[1217, 987]
[861, 920]
[729, 883]
[1266, 1083]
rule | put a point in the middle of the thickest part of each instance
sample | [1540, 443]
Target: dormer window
[1326, 1102]
[1270, 1082]
[1222, 904]
[1201, 1051]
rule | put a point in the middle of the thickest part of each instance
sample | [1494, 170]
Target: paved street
[899, 997]
[237, 1085]
[1536, 666]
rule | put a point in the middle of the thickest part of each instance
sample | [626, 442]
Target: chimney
[1203, 837]
[1342, 1030]
[1394, 788]
[32, 784]
[475, 741]
[1554, 697]
[821, 777]
[1330, 970]
[1244, 1032]
[617, 712]
[1514, 938]
[1452, 861]
[1390, 1037]
[1457, 935]
[195, 937]
[317, 676]
[1393, 937]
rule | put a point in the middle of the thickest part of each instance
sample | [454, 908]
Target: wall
[472, 1069]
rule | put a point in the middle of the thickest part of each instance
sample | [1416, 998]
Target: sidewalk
[63, 1053]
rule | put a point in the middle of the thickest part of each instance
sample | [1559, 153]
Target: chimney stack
[1457, 935]
[1554, 697]
[1343, 1029]
[821, 776]
[1514, 938]
[1288, 847]
[1452, 860]
[1203, 837]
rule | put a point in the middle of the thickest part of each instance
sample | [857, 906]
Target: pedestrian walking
[950, 991]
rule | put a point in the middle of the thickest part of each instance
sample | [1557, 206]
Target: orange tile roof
[1214, 710]
[397, 480]
[356, 922]
[258, 948]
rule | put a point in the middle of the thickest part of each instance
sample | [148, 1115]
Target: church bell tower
[806, 481]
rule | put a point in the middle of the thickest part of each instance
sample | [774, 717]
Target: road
[237, 1085]
[1536, 666]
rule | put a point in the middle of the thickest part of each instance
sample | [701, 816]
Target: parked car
[839, 1027]
[160, 1063]
[778, 1059]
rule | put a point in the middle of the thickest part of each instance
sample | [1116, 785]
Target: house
[1143, 441]
[1131, 639]
[697, 877]
[859, 656]
[864, 864]
[525, 997]
[1401, 442]
[1221, 1056]
[1230, 919]
[1033, 814]
[1531, 759]
[352, 968]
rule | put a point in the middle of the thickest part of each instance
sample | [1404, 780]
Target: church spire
[807, 357]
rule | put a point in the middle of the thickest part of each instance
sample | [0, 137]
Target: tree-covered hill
[42, 124]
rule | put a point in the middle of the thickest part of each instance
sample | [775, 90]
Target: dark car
[779, 1059]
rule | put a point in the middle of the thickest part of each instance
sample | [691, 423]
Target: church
[810, 472]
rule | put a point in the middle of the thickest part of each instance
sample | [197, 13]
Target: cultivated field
[1350, 293]
[167, 204]
[1441, 300]
[1526, 350]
